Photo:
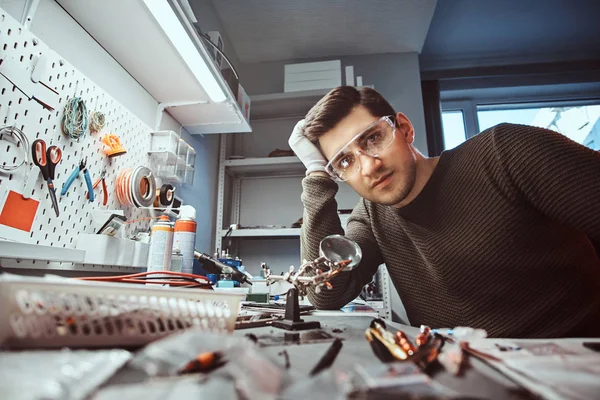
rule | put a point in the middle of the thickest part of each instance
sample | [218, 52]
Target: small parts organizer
[172, 158]
[53, 313]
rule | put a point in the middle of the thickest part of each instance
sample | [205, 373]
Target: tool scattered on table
[46, 160]
[102, 179]
[388, 346]
[336, 253]
[328, 358]
[113, 145]
[215, 266]
[88, 181]
[204, 362]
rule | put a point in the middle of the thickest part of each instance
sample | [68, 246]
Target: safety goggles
[371, 141]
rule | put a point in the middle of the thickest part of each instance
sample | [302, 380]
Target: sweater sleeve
[556, 175]
[320, 220]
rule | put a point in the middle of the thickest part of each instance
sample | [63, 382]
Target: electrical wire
[22, 142]
[142, 277]
[97, 121]
[207, 39]
[75, 119]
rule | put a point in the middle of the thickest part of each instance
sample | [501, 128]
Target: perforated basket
[42, 313]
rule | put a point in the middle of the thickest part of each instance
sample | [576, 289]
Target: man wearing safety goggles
[500, 233]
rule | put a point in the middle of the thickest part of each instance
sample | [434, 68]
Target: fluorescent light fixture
[168, 21]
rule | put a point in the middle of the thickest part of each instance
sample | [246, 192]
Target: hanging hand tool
[80, 168]
[46, 159]
[104, 189]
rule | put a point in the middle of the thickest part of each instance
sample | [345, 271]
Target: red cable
[131, 278]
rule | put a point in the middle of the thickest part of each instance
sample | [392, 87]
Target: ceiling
[467, 31]
[270, 30]
[527, 30]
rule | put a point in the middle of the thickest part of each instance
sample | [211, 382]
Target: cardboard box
[311, 76]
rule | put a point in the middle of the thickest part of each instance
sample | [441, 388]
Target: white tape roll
[143, 187]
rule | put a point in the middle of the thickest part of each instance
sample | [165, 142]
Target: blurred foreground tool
[204, 362]
[388, 346]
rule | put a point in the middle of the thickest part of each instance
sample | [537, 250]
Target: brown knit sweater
[504, 236]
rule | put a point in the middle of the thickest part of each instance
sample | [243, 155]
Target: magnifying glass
[336, 248]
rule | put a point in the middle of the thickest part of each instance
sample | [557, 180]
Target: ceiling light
[170, 24]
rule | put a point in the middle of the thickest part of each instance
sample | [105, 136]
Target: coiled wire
[75, 119]
[22, 142]
[97, 121]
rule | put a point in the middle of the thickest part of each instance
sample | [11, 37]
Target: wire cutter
[104, 188]
[46, 159]
[88, 181]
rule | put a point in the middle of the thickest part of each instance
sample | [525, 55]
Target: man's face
[386, 179]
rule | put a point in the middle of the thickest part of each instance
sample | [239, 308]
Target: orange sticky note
[18, 212]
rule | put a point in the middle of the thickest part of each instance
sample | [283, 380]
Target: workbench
[478, 380]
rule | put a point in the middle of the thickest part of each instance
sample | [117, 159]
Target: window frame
[470, 107]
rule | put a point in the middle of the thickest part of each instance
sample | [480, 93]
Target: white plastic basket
[51, 313]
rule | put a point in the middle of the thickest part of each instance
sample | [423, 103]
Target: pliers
[104, 188]
[88, 181]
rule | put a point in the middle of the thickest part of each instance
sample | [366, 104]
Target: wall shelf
[27, 251]
[147, 53]
[266, 166]
[275, 232]
[285, 105]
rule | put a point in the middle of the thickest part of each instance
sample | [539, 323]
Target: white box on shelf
[349, 75]
[310, 76]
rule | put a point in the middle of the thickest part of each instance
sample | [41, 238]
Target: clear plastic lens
[372, 141]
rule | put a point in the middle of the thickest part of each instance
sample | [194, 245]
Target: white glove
[306, 151]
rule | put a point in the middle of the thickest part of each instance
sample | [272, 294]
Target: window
[453, 123]
[580, 123]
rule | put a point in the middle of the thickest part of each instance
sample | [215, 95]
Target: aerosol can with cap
[185, 236]
[161, 245]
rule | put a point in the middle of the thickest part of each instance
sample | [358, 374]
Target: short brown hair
[337, 104]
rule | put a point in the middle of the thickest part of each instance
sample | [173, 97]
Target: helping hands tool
[79, 168]
[102, 179]
[46, 159]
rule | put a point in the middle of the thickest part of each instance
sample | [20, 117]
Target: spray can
[185, 236]
[176, 260]
[161, 245]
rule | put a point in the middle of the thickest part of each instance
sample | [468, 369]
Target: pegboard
[39, 123]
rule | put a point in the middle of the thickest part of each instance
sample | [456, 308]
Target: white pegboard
[36, 122]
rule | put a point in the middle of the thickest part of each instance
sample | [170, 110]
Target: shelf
[146, 52]
[275, 232]
[27, 251]
[282, 105]
[265, 166]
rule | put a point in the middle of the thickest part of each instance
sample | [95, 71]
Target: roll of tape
[166, 195]
[143, 187]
